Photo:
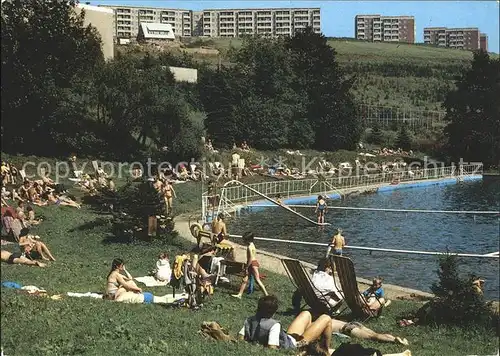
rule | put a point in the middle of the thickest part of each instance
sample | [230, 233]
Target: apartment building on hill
[217, 22]
[377, 28]
[460, 38]
[262, 22]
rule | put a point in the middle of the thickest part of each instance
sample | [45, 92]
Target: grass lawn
[83, 326]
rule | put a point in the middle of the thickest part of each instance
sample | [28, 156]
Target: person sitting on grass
[31, 220]
[374, 295]
[252, 266]
[263, 329]
[358, 330]
[36, 245]
[18, 258]
[121, 287]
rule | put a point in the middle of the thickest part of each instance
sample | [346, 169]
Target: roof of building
[155, 30]
[114, 6]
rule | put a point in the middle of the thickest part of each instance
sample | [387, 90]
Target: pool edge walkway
[272, 262]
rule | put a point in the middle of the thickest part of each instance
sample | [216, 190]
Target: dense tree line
[60, 96]
[473, 113]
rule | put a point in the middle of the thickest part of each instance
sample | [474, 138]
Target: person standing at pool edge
[321, 209]
[338, 243]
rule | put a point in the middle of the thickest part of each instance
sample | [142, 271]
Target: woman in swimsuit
[321, 209]
[252, 266]
[168, 190]
[122, 288]
[27, 240]
[18, 258]
[58, 200]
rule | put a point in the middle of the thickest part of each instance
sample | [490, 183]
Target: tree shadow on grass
[97, 223]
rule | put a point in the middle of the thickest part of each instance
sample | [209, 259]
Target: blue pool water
[408, 231]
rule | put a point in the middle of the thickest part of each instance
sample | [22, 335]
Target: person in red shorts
[252, 266]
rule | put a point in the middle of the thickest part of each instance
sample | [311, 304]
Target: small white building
[149, 31]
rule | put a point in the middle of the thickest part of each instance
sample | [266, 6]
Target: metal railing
[240, 195]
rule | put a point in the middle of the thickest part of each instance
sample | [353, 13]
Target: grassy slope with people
[80, 242]
[388, 74]
[32, 325]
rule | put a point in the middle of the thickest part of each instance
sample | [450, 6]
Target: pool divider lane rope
[489, 255]
[479, 212]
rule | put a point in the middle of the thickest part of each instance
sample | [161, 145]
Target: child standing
[163, 271]
[321, 208]
[252, 266]
[338, 243]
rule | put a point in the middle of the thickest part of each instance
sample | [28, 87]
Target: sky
[337, 17]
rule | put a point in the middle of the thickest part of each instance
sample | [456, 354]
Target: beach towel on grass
[87, 294]
[151, 281]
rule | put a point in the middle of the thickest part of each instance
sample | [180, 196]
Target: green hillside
[388, 74]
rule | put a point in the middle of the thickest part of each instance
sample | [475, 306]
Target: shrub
[376, 135]
[456, 301]
[404, 140]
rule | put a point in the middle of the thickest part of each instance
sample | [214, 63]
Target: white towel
[150, 281]
[87, 294]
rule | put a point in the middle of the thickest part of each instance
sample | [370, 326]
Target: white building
[155, 31]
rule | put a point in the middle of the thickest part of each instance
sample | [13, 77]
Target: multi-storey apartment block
[385, 28]
[262, 22]
[218, 22]
[129, 18]
[483, 41]
[460, 38]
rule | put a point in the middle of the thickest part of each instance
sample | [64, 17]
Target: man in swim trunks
[338, 243]
[219, 228]
[360, 331]
[18, 258]
[252, 266]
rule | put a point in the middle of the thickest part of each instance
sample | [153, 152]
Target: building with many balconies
[377, 28]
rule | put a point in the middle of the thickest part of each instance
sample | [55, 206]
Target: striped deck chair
[350, 291]
[317, 301]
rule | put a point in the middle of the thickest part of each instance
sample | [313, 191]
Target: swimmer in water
[321, 208]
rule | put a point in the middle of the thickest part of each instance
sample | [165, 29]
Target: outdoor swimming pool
[409, 231]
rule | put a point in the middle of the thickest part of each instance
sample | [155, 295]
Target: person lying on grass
[263, 329]
[55, 199]
[358, 330]
[18, 258]
[37, 246]
[121, 287]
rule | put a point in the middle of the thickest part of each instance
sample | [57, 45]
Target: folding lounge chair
[350, 291]
[316, 300]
